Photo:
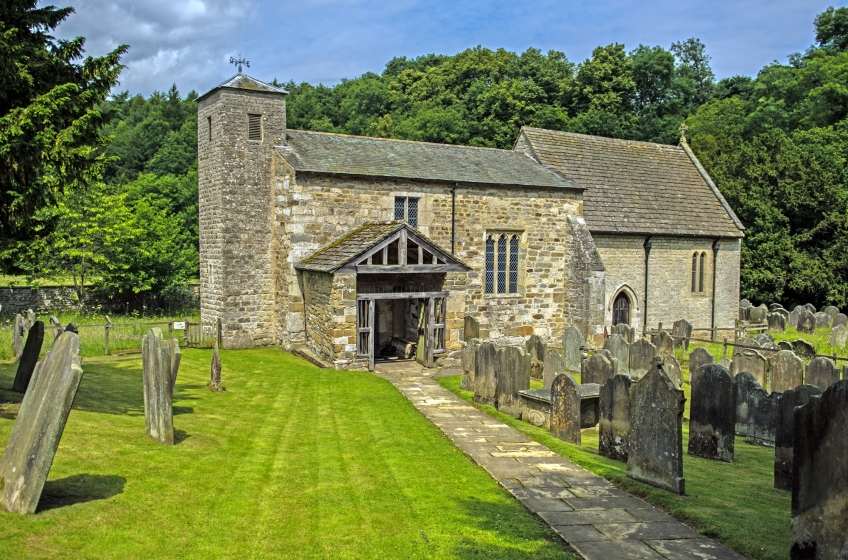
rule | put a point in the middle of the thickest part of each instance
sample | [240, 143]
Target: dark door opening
[621, 310]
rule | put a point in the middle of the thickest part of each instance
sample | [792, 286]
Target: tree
[832, 28]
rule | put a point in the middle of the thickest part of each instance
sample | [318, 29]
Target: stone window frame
[699, 279]
[416, 221]
[509, 260]
[259, 117]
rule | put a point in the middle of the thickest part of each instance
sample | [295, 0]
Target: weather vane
[239, 62]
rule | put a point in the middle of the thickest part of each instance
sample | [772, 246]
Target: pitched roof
[637, 187]
[243, 81]
[379, 157]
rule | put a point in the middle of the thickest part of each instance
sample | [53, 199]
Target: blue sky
[189, 42]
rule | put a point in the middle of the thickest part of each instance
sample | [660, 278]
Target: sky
[190, 42]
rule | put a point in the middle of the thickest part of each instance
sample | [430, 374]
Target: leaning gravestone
[712, 414]
[18, 336]
[597, 369]
[821, 372]
[699, 357]
[751, 361]
[823, 320]
[840, 319]
[614, 422]
[628, 332]
[820, 476]
[620, 350]
[777, 323]
[160, 360]
[786, 371]
[745, 383]
[642, 354]
[466, 354]
[795, 316]
[655, 453]
[674, 371]
[471, 329]
[513, 376]
[572, 342]
[785, 431]
[762, 417]
[56, 326]
[38, 428]
[838, 336]
[803, 347]
[681, 332]
[215, 371]
[664, 344]
[536, 348]
[831, 310]
[565, 409]
[29, 357]
[554, 365]
[806, 322]
[485, 374]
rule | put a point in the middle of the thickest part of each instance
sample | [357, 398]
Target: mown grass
[292, 461]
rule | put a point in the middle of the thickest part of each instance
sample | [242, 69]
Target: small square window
[254, 127]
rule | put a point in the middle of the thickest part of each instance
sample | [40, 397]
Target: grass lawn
[292, 461]
[734, 503]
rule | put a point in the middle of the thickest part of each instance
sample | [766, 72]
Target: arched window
[694, 271]
[513, 264]
[490, 265]
[621, 310]
[502, 242]
[701, 273]
[502, 256]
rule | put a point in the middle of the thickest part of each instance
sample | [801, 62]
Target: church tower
[238, 124]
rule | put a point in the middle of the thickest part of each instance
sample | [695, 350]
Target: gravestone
[820, 476]
[840, 319]
[785, 345]
[642, 354]
[72, 327]
[466, 354]
[757, 314]
[712, 414]
[803, 347]
[831, 310]
[674, 371]
[783, 313]
[786, 371]
[838, 336]
[614, 423]
[29, 357]
[565, 409]
[795, 316]
[664, 344]
[744, 303]
[655, 453]
[215, 371]
[485, 374]
[777, 322]
[18, 336]
[726, 364]
[751, 361]
[535, 347]
[160, 360]
[744, 312]
[762, 417]
[774, 306]
[746, 342]
[628, 332]
[38, 427]
[764, 338]
[572, 342]
[470, 329]
[681, 331]
[513, 376]
[810, 307]
[821, 372]
[597, 369]
[554, 365]
[745, 383]
[823, 320]
[699, 357]
[785, 432]
[620, 350]
[56, 326]
[806, 322]
[30, 318]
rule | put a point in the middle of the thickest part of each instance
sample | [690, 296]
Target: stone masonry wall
[318, 312]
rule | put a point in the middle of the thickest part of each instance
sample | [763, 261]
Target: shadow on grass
[183, 410]
[180, 436]
[79, 489]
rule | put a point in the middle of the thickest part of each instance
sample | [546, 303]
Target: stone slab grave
[554, 365]
[838, 336]
[820, 476]
[38, 428]
[466, 354]
[795, 316]
[697, 358]
[535, 405]
[751, 361]
[803, 347]
[786, 371]
[565, 409]
[681, 332]
[597, 369]
[513, 376]
[572, 353]
[806, 322]
[485, 374]
[536, 348]
[619, 348]
[664, 344]
[674, 371]
[821, 372]
[628, 332]
[18, 336]
[784, 432]
[762, 417]
[712, 414]
[823, 320]
[470, 329]
[614, 422]
[840, 319]
[655, 454]
[642, 354]
[160, 364]
[29, 357]
[745, 383]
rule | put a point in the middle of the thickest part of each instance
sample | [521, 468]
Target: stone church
[352, 246]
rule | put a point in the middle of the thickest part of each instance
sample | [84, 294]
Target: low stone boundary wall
[17, 299]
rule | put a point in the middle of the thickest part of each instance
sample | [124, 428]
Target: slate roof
[637, 187]
[379, 157]
[243, 81]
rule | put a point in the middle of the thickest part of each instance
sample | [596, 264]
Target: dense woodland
[119, 203]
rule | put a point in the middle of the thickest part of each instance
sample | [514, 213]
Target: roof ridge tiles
[401, 140]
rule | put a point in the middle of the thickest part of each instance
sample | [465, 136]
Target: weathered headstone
[554, 365]
[664, 344]
[72, 327]
[823, 320]
[565, 409]
[159, 358]
[806, 322]
[840, 319]
[785, 345]
[821, 372]
[572, 342]
[620, 350]
[513, 376]
[764, 338]
[783, 313]
[655, 453]
[777, 322]
[744, 342]
[757, 314]
[215, 371]
[674, 371]
[466, 354]
[536, 348]
[726, 364]
[831, 310]
[597, 369]
[744, 312]
[470, 329]
[485, 374]
[712, 414]
[774, 306]
[29, 357]
[784, 432]
[803, 347]
[786, 371]
[762, 417]
[795, 316]
[681, 331]
[38, 428]
[628, 332]
[30, 318]
[56, 326]
[744, 303]
[838, 336]
[810, 307]
[614, 423]
[699, 357]
[642, 354]
[820, 476]
[18, 336]
[753, 362]
[745, 383]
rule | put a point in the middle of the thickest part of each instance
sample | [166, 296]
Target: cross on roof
[239, 62]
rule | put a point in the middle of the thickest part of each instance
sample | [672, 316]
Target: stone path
[597, 519]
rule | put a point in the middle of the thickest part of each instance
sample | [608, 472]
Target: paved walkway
[597, 519]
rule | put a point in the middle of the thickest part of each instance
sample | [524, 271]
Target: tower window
[254, 127]
[406, 209]
[209, 127]
[501, 273]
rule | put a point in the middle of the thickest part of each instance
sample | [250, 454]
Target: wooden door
[621, 310]
[365, 330]
[421, 347]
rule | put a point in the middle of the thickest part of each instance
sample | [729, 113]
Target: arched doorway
[621, 309]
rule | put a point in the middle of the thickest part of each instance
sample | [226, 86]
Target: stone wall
[17, 299]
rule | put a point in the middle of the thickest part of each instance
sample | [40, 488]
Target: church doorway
[621, 310]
